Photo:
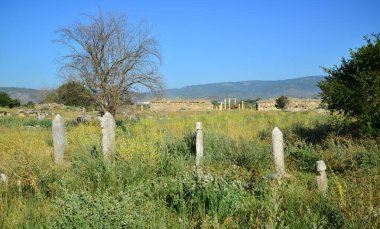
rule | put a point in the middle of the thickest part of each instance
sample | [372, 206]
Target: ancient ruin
[180, 104]
[295, 104]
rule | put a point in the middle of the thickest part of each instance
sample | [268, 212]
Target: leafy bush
[353, 88]
[282, 102]
[29, 104]
[6, 101]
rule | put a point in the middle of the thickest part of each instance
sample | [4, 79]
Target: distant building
[294, 104]
[180, 104]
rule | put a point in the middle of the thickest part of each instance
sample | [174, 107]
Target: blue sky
[201, 41]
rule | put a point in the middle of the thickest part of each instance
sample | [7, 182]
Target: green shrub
[282, 102]
[353, 88]
[6, 101]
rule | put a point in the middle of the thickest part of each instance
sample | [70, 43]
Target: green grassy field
[152, 182]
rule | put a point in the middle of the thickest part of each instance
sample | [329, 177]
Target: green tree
[6, 101]
[282, 102]
[74, 93]
[353, 88]
[48, 96]
[29, 104]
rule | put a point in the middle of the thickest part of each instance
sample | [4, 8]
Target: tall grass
[152, 181]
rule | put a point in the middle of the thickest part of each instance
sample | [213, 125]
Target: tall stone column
[59, 139]
[199, 144]
[278, 155]
[321, 178]
[108, 125]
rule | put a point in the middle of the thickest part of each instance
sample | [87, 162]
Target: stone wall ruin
[295, 104]
[180, 104]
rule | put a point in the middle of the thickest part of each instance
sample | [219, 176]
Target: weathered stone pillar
[225, 104]
[239, 106]
[278, 154]
[242, 105]
[3, 178]
[142, 107]
[229, 103]
[235, 102]
[258, 106]
[108, 125]
[321, 178]
[199, 144]
[59, 139]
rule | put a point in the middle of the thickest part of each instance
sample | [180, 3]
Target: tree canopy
[74, 93]
[353, 88]
[112, 57]
[6, 101]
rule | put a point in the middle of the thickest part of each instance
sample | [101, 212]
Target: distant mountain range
[23, 94]
[304, 87]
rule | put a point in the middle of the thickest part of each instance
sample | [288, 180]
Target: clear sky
[202, 41]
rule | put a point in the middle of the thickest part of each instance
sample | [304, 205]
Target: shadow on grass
[315, 135]
[320, 132]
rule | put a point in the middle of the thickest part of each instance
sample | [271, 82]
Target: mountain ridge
[24, 95]
[297, 87]
[302, 87]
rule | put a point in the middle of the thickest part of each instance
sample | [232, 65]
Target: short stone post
[321, 178]
[59, 139]
[239, 106]
[40, 116]
[242, 105]
[278, 154]
[199, 144]
[108, 125]
[221, 106]
[142, 107]
[229, 104]
[3, 178]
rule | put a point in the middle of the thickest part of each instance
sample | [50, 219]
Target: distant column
[242, 105]
[221, 106]
[225, 104]
[229, 103]
[235, 102]
[59, 139]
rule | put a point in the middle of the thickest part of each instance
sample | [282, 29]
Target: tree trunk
[112, 109]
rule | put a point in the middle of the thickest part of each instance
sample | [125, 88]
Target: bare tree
[112, 57]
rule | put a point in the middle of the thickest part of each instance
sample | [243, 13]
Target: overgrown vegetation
[353, 88]
[152, 182]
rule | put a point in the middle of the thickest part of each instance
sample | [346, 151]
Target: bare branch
[111, 57]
